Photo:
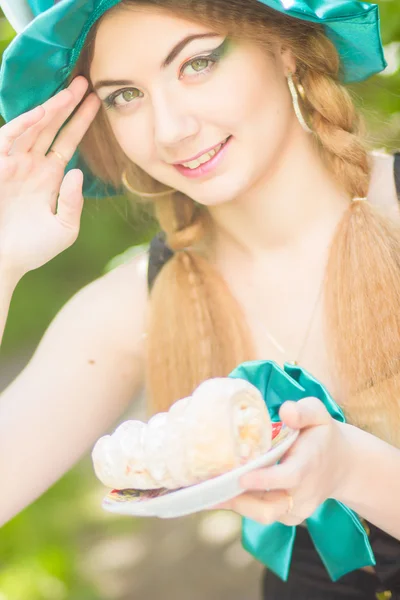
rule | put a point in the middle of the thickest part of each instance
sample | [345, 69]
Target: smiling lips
[192, 164]
[204, 163]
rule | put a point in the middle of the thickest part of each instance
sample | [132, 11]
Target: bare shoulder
[96, 341]
[382, 191]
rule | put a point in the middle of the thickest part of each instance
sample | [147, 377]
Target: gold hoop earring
[128, 186]
[295, 92]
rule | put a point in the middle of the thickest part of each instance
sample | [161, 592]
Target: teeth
[193, 164]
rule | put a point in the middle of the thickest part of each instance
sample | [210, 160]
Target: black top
[308, 578]
[159, 255]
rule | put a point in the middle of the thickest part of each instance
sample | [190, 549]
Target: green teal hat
[51, 34]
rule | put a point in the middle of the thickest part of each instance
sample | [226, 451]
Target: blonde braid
[363, 271]
[184, 222]
[196, 329]
[334, 118]
[336, 125]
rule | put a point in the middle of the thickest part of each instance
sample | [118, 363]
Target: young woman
[280, 238]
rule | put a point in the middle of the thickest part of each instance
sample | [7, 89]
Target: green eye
[122, 98]
[199, 64]
[203, 65]
[128, 95]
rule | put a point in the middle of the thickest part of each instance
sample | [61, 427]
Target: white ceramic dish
[168, 504]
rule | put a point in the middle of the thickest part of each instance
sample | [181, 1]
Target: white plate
[168, 504]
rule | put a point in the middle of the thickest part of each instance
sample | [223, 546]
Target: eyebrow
[177, 49]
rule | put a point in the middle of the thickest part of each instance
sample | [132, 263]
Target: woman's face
[193, 109]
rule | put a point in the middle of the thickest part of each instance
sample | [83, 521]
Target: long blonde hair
[196, 328]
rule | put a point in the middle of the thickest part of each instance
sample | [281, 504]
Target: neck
[297, 200]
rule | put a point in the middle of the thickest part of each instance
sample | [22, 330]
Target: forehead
[127, 33]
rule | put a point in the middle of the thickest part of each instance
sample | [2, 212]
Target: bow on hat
[17, 12]
[20, 13]
[336, 531]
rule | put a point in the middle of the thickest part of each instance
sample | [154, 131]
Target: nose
[174, 122]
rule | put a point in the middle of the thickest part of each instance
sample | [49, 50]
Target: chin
[215, 199]
[222, 192]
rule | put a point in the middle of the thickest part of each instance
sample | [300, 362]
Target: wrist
[353, 459]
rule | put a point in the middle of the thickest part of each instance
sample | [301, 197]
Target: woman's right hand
[40, 206]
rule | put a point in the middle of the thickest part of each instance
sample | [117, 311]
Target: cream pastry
[224, 424]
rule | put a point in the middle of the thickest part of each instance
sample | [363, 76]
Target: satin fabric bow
[336, 531]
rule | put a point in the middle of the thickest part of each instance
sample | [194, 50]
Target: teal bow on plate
[337, 532]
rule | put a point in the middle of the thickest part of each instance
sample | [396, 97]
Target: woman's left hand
[312, 470]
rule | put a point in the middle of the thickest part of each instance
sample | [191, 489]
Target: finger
[70, 200]
[285, 476]
[12, 130]
[70, 137]
[57, 119]
[27, 139]
[304, 413]
[57, 109]
[265, 508]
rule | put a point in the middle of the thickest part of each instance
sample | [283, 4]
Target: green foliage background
[42, 549]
